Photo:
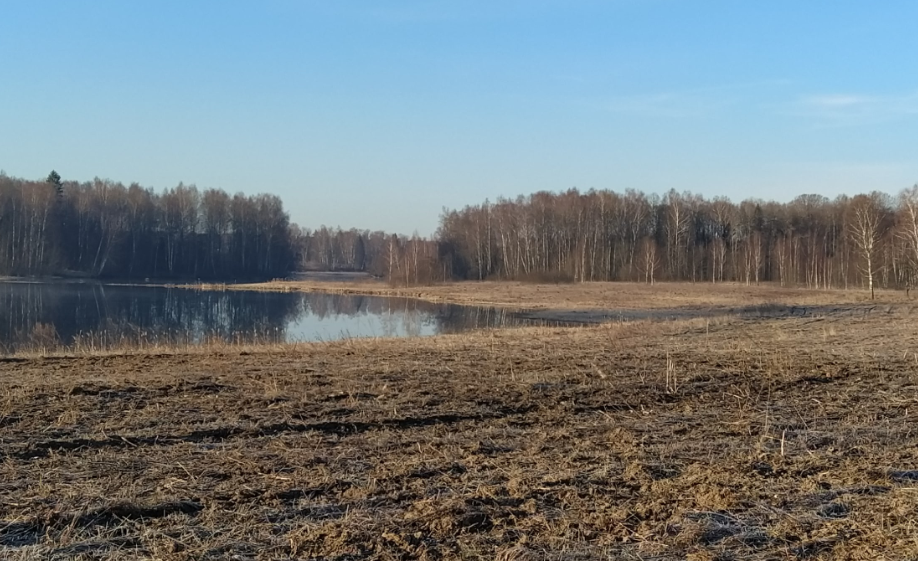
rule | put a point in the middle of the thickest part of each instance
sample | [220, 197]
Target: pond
[91, 316]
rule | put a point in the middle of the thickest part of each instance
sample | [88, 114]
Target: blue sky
[377, 114]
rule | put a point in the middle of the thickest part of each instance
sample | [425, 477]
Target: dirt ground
[725, 437]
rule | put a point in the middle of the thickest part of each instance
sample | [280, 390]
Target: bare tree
[650, 259]
[867, 226]
[908, 204]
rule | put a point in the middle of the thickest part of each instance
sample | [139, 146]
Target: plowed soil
[721, 438]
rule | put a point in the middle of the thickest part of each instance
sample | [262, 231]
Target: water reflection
[94, 315]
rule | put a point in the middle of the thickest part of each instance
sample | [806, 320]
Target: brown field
[732, 437]
[585, 296]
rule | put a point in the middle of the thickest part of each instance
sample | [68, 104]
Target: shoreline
[562, 305]
[603, 302]
[509, 294]
[594, 298]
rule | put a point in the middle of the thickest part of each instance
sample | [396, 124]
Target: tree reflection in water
[41, 315]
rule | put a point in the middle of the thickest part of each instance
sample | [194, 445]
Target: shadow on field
[43, 449]
[761, 311]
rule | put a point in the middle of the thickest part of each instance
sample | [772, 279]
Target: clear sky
[377, 114]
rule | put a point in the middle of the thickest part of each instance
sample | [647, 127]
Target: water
[91, 315]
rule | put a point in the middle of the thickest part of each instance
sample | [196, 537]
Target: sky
[378, 114]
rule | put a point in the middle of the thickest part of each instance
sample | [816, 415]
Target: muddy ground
[732, 437]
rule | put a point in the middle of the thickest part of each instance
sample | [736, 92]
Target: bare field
[719, 438]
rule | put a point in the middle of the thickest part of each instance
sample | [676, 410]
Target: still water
[91, 315]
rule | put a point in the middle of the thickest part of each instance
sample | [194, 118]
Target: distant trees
[908, 231]
[104, 229]
[868, 240]
[27, 226]
[402, 260]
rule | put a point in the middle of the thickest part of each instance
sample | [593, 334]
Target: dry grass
[717, 438]
[103, 343]
[586, 296]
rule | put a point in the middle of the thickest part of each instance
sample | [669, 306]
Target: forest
[868, 240]
[105, 229]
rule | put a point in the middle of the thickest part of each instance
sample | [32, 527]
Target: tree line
[102, 228]
[866, 240]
